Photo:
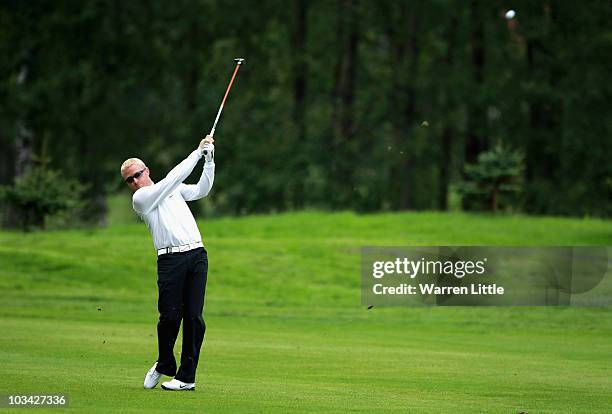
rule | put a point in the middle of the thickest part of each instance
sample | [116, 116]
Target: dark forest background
[342, 104]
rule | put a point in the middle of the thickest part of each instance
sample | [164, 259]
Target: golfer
[182, 261]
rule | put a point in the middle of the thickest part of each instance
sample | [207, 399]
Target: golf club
[239, 61]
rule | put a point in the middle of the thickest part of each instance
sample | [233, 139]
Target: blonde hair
[131, 161]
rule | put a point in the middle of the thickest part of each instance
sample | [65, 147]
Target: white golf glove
[208, 150]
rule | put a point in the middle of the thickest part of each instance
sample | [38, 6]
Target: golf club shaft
[212, 131]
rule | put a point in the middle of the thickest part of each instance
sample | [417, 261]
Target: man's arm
[147, 198]
[192, 192]
[202, 188]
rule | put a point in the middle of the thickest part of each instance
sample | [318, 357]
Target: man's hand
[209, 152]
[208, 140]
[207, 148]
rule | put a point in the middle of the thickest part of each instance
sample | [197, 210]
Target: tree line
[343, 104]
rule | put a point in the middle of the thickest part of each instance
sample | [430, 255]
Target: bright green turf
[286, 331]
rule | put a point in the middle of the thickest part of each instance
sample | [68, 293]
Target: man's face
[138, 176]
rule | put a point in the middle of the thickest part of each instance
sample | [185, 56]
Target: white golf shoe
[176, 385]
[152, 378]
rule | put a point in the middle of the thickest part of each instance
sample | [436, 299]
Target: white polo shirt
[163, 205]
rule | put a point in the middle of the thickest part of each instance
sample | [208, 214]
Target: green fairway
[285, 328]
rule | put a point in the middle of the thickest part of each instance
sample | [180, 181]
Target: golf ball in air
[510, 14]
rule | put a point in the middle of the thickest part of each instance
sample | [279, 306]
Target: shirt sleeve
[147, 198]
[202, 188]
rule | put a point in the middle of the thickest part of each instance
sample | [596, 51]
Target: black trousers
[181, 280]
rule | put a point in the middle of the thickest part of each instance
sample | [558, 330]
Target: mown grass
[286, 331]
